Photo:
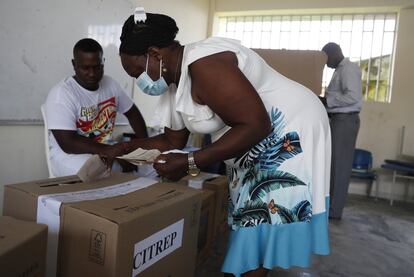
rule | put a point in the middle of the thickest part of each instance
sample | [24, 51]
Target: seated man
[81, 111]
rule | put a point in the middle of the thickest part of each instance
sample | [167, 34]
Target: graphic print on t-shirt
[97, 122]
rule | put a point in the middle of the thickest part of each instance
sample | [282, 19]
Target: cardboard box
[206, 228]
[147, 232]
[219, 185]
[221, 203]
[22, 248]
[302, 66]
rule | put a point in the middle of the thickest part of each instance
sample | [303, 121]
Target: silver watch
[193, 170]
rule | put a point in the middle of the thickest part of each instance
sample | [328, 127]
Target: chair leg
[369, 188]
[392, 187]
[406, 190]
[376, 188]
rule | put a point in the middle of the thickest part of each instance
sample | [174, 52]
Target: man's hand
[110, 152]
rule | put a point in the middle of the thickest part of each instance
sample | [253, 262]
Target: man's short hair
[332, 47]
[87, 45]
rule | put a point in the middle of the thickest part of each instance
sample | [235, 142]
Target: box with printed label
[221, 190]
[22, 248]
[206, 228]
[117, 226]
[219, 185]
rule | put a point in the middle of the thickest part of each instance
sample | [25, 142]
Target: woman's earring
[164, 70]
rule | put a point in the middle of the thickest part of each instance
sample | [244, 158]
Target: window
[367, 39]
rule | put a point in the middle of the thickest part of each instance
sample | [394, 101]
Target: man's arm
[72, 143]
[170, 139]
[137, 122]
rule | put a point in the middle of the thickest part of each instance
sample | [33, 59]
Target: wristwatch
[193, 170]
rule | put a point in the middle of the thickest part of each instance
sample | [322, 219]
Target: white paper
[141, 156]
[48, 211]
[155, 247]
[146, 156]
[93, 169]
[175, 151]
[197, 182]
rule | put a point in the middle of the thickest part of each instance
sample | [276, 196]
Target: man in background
[343, 102]
[81, 111]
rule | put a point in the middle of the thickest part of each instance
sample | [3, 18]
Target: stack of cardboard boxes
[119, 226]
[213, 218]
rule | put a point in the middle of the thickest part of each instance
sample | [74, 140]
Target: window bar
[362, 44]
[261, 32]
[291, 34]
[380, 61]
[288, 36]
[325, 74]
[369, 63]
[290, 31]
[270, 32]
[244, 28]
[252, 33]
[390, 74]
[300, 30]
[340, 31]
[352, 27]
[280, 32]
[370, 57]
[331, 28]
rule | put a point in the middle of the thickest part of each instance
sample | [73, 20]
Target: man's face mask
[150, 87]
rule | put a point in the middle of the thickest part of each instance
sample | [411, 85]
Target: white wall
[381, 123]
[22, 147]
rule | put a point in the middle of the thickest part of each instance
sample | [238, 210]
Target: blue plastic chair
[362, 169]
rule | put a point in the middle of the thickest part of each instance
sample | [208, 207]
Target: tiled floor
[372, 240]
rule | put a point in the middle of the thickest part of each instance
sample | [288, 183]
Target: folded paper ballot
[93, 169]
[141, 156]
[144, 156]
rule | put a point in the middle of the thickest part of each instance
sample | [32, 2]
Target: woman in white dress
[272, 132]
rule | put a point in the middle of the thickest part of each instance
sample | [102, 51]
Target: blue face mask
[149, 86]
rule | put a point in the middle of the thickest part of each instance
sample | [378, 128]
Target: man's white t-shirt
[92, 114]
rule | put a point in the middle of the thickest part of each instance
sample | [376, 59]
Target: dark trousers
[344, 130]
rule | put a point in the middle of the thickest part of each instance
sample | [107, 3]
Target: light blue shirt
[344, 93]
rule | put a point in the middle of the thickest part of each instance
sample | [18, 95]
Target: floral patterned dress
[279, 189]
[261, 179]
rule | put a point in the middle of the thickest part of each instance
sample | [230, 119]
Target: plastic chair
[362, 169]
[47, 147]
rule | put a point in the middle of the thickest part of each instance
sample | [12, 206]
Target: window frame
[365, 16]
